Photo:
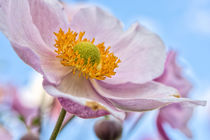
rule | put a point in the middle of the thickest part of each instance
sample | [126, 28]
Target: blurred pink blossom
[30, 24]
[176, 115]
[17, 105]
[55, 109]
[10, 97]
[4, 134]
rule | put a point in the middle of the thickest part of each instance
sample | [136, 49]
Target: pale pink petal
[72, 9]
[173, 76]
[142, 54]
[27, 37]
[141, 97]
[53, 70]
[49, 66]
[78, 90]
[48, 16]
[4, 4]
[28, 56]
[26, 30]
[97, 24]
[22, 31]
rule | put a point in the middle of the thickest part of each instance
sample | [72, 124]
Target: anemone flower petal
[142, 54]
[4, 4]
[172, 75]
[53, 70]
[78, 92]
[21, 29]
[48, 18]
[49, 66]
[28, 56]
[27, 37]
[81, 110]
[97, 24]
[144, 97]
[72, 9]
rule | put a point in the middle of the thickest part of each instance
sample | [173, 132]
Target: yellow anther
[93, 61]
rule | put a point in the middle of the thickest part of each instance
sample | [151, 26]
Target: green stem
[67, 122]
[58, 124]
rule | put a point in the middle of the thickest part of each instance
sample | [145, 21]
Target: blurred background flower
[176, 115]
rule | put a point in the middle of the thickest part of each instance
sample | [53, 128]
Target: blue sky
[184, 25]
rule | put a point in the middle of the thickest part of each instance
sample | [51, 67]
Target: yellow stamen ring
[93, 61]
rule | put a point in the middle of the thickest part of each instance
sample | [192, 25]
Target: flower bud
[30, 136]
[108, 129]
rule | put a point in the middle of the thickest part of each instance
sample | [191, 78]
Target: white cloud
[202, 21]
[198, 17]
[188, 70]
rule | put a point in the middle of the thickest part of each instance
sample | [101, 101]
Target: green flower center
[88, 50]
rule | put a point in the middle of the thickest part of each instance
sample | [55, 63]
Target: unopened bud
[108, 129]
[30, 136]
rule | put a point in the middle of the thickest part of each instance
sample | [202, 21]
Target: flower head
[116, 79]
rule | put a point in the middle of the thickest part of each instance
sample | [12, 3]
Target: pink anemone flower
[176, 115]
[11, 98]
[90, 63]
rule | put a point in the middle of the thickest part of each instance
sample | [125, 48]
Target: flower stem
[67, 122]
[58, 124]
